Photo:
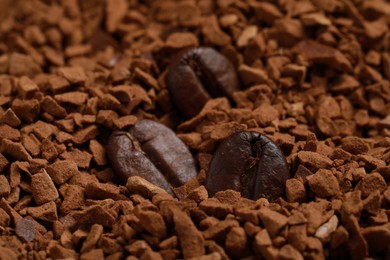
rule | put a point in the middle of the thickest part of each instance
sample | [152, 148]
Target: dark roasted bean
[196, 75]
[250, 163]
[152, 151]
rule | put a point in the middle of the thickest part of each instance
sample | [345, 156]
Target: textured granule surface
[315, 79]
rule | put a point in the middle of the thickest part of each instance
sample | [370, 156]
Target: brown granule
[43, 188]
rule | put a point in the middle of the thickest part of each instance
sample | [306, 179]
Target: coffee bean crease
[196, 75]
[249, 163]
[152, 151]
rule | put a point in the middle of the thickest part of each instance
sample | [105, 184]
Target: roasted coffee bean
[198, 74]
[152, 151]
[250, 163]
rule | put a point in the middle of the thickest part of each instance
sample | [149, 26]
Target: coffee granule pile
[313, 77]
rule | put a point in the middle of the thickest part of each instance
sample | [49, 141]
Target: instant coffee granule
[310, 78]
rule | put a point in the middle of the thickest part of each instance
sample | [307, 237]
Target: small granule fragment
[36, 165]
[61, 171]
[294, 71]
[354, 145]
[43, 188]
[101, 191]
[125, 121]
[179, 40]
[75, 75]
[386, 195]
[59, 252]
[138, 247]
[74, 98]
[3, 162]
[288, 252]
[10, 118]
[295, 191]
[246, 35]
[106, 118]
[192, 140]
[23, 65]
[63, 137]
[371, 161]
[7, 253]
[85, 134]
[324, 184]
[272, 220]
[66, 125]
[15, 150]
[199, 194]
[266, 12]
[314, 161]
[52, 107]
[25, 228]
[73, 199]
[5, 189]
[26, 87]
[340, 154]
[339, 237]
[42, 130]
[58, 84]
[169, 243]
[32, 144]
[98, 152]
[315, 19]
[45, 212]
[372, 203]
[214, 248]
[262, 241]
[356, 242]
[252, 76]
[228, 196]
[5, 219]
[296, 218]
[138, 185]
[77, 50]
[93, 237]
[247, 214]
[297, 236]
[48, 150]
[352, 203]
[26, 110]
[81, 158]
[153, 223]
[212, 32]
[53, 56]
[215, 208]
[323, 54]
[116, 10]
[10, 133]
[92, 254]
[147, 79]
[371, 183]
[108, 101]
[324, 232]
[190, 239]
[223, 130]
[236, 243]
[377, 237]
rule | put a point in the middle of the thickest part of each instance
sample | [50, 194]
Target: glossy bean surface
[198, 74]
[152, 151]
[250, 163]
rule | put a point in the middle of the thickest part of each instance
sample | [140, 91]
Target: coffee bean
[152, 151]
[198, 74]
[250, 163]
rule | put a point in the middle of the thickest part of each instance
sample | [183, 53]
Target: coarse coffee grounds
[314, 78]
